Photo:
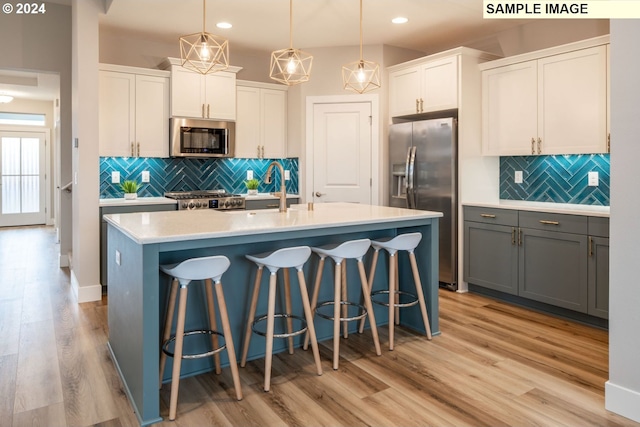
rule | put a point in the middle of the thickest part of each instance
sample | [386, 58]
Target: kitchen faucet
[283, 189]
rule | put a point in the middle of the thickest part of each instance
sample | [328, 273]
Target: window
[23, 119]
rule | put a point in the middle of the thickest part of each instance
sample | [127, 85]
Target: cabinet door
[491, 256]
[116, 116]
[404, 91]
[439, 85]
[274, 123]
[187, 93]
[248, 122]
[599, 277]
[572, 102]
[220, 96]
[509, 108]
[152, 116]
[553, 268]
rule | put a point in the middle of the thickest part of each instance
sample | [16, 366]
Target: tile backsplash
[558, 179]
[176, 174]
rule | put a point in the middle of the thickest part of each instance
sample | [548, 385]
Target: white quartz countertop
[140, 201]
[173, 226]
[267, 196]
[562, 208]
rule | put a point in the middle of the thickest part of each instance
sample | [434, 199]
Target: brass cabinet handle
[513, 235]
[533, 146]
[262, 151]
[258, 147]
[608, 143]
[539, 144]
[421, 105]
[519, 236]
[132, 155]
[590, 246]
[487, 215]
[273, 206]
[543, 221]
[208, 111]
[417, 105]
[138, 154]
[203, 116]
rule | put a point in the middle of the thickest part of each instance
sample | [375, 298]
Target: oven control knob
[198, 205]
[184, 205]
[227, 204]
[191, 205]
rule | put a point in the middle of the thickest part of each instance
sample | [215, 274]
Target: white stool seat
[353, 249]
[293, 257]
[402, 242]
[212, 267]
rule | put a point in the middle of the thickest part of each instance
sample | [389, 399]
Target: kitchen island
[139, 242]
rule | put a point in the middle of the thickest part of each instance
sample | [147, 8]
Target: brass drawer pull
[590, 246]
[487, 216]
[272, 206]
[542, 221]
[513, 235]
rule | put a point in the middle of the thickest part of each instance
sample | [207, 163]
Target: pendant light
[361, 76]
[204, 52]
[290, 66]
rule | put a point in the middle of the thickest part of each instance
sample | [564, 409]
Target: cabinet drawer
[576, 224]
[491, 215]
[598, 226]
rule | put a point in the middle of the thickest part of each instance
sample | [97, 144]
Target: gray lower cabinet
[557, 259]
[273, 203]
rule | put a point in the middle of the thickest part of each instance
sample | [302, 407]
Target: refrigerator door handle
[407, 187]
[411, 193]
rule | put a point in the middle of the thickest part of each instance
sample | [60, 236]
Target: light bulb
[291, 66]
[361, 76]
[204, 52]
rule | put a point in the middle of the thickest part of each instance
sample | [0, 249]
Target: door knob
[319, 194]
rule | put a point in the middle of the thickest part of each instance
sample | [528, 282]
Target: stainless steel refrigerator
[423, 168]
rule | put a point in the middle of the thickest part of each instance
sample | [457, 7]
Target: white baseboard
[85, 293]
[622, 401]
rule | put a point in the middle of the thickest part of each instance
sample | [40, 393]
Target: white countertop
[173, 226]
[562, 208]
[140, 201]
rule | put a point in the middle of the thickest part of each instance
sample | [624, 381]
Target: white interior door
[22, 172]
[342, 146]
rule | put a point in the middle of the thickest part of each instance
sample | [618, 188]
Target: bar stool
[403, 242]
[210, 269]
[353, 249]
[285, 258]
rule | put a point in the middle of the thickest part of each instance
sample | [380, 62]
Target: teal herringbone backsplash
[191, 174]
[558, 179]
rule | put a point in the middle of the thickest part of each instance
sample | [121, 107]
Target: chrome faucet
[283, 188]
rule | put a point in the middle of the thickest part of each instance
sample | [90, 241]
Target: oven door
[201, 138]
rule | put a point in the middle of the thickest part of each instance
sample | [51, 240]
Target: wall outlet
[287, 175]
[145, 176]
[115, 177]
[518, 177]
[249, 174]
[593, 179]
[117, 257]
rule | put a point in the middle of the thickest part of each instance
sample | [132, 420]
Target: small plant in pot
[130, 189]
[252, 186]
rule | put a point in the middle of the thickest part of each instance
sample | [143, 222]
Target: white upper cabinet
[425, 86]
[555, 104]
[261, 124]
[209, 96]
[133, 112]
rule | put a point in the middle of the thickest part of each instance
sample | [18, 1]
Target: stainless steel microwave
[201, 138]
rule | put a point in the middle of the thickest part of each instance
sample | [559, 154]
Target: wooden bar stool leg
[213, 324]
[287, 304]
[177, 358]
[270, 324]
[314, 298]
[420, 293]
[372, 272]
[392, 292]
[308, 313]
[396, 296]
[369, 307]
[252, 315]
[173, 293]
[336, 315]
[228, 339]
[345, 293]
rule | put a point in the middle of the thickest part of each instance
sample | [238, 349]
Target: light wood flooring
[493, 365]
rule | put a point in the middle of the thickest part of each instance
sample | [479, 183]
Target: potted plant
[252, 186]
[130, 189]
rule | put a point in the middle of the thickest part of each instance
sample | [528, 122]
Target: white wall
[622, 391]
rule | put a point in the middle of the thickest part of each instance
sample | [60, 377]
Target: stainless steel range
[206, 199]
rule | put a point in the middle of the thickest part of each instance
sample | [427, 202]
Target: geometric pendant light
[361, 76]
[290, 66]
[204, 52]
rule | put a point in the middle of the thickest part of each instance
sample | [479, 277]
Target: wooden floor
[493, 365]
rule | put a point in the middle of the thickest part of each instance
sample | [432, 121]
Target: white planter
[252, 192]
[130, 196]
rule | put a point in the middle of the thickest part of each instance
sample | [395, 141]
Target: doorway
[342, 149]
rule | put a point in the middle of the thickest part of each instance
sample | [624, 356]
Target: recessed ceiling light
[400, 20]
[5, 99]
[224, 25]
